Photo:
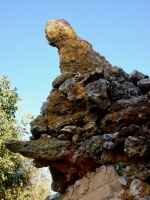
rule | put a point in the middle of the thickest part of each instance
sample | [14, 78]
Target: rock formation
[96, 115]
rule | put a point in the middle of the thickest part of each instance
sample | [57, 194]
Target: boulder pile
[95, 115]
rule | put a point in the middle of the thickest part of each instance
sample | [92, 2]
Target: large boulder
[95, 115]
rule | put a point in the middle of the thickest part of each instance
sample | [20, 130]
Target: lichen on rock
[95, 115]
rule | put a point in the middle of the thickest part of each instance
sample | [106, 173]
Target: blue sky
[118, 30]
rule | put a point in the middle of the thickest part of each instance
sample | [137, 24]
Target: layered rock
[95, 115]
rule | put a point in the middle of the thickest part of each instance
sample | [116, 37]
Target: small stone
[108, 145]
[144, 85]
[69, 129]
[64, 137]
[59, 80]
[44, 136]
[115, 74]
[97, 92]
[138, 189]
[136, 146]
[136, 76]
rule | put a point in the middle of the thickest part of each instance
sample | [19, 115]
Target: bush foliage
[19, 180]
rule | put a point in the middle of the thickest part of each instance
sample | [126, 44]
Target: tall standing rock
[95, 115]
[76, 54]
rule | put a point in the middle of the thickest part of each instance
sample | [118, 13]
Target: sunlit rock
[95, 117]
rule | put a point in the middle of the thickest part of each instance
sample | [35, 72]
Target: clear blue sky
[118, 30]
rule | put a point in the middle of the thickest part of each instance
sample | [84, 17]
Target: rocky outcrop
[95, 115]
[76, 54]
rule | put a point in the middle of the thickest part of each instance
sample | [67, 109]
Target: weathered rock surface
[76, 54]
[144, 85]
[95, 115]
[136, 76]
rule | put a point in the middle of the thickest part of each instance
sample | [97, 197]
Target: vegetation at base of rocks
[19, 180]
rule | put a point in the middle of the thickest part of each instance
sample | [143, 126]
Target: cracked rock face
[95, 115]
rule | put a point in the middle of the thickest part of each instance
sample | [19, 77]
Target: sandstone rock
[103, 185]
[75, 53]
[95, 117]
